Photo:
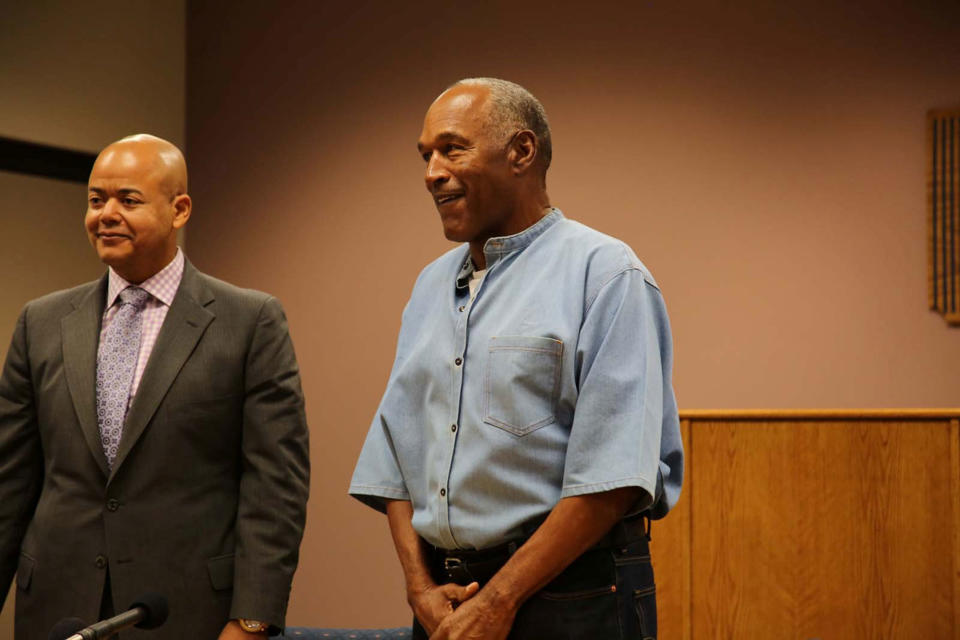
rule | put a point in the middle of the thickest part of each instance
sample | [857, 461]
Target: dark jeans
[606, 594]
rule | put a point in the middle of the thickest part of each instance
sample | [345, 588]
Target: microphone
[147, 612]
[66, 628]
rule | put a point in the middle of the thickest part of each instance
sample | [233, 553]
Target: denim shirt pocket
[522, 383]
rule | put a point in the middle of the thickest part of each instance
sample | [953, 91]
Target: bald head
[143, 151]
[137, 201]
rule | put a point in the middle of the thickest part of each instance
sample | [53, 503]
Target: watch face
[252, 625]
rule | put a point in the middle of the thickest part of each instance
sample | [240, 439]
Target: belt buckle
[456, 570]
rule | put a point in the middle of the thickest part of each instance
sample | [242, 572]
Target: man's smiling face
[467, 172]
[131, 218]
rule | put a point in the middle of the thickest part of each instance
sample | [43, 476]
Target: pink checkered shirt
[162, 287]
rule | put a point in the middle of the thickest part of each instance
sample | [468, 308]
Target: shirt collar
[496, 248]
[162, 285]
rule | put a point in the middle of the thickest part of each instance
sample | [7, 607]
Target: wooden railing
[829, 524]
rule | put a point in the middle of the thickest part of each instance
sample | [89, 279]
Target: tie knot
[134, 296]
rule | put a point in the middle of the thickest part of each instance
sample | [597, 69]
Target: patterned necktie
[116, 363]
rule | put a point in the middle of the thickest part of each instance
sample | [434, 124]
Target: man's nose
[110, 212]
[435, 173]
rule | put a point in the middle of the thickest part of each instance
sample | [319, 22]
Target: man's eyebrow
[446, 136]
[124, 191]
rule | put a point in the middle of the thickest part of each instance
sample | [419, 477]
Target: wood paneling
[670, 548]
[955, 507]
[829, 525]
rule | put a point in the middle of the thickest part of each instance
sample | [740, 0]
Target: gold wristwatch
[252, 626]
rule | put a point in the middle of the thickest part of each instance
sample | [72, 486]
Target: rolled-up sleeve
[377, 476]
[625, 431]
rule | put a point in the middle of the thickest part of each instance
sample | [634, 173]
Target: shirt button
[113, 504]
[458, 361]
[453, 428]
[461, 308]
[100, 562]
[443, 492]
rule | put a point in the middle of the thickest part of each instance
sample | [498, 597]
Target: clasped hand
[450, 612]
[434, 603]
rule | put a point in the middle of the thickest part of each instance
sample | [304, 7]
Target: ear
[523, 151]
[182, 206]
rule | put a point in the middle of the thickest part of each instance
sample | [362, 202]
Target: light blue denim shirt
[553, 381]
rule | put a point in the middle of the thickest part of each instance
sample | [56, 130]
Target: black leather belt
[463, 566]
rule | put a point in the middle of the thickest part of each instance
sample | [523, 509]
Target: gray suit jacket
[207, 497]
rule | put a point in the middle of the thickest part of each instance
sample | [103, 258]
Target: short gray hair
[512, 109]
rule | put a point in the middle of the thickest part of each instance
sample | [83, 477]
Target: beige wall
[76, 75]
[766, 160]
[82, 74]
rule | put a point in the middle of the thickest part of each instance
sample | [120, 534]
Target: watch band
[252, 626]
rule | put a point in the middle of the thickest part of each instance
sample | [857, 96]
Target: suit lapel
[185, 323]
[80, 335]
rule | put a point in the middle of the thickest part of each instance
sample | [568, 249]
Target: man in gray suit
[152, 429]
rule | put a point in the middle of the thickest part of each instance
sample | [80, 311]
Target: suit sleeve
[275, 473]
[21, 457]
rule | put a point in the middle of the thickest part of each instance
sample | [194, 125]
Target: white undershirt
[475, 279]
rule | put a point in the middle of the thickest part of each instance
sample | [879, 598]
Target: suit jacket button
[113, 504]
[101, 562]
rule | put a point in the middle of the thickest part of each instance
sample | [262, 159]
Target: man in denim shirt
[529, 428]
